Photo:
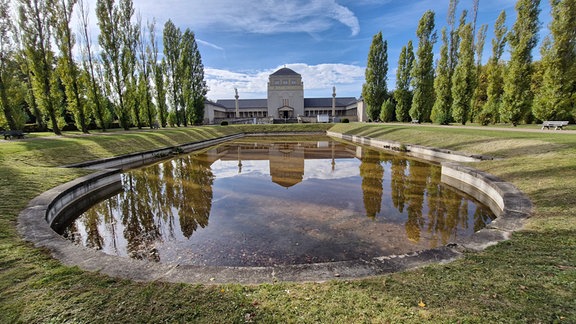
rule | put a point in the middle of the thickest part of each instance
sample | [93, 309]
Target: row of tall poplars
[458, 87]
[49, 73]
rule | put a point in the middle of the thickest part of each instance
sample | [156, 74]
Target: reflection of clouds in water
[322, 169]
[313, 169]
[227, 169]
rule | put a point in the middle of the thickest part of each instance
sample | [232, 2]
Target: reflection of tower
[333, 158]
[287, 164]
[239, 160]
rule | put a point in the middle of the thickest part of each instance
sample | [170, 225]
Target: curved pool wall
[56, 206]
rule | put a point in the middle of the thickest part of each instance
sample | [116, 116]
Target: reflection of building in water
[286, 159]
[286, 164]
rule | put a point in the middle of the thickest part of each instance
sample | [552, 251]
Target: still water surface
[258, 202]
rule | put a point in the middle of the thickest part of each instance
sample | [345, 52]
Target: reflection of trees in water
[397, 183]
[146, 207]
[93, 238]
[193, 198]
[140, 229]
[414, 194]
[155, 197]
[372, 174]
[447, 210]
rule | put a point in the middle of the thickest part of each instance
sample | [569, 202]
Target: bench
[13, 134]
[556, 124]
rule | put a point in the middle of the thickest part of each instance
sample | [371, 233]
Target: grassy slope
[530, 278]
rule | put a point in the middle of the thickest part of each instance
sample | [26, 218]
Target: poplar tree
[463, 80]
[479, 97]
[374, 91]
[454, 39]
[6, 51]
[69, 72]
[158, 69]
[423, 71]
[388, 111]
[94, 93]
[556, 98]
[517, 96]
[116, 40]
[188, 49]
[490, 111]
[23, 62]
[145, 64]
[36, 41]
[403, 95]
[172, 37]
[441, 111]
[198, 85]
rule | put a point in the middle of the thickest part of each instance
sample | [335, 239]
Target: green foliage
[423, 70]
[172, 118]
[117, 39]
[555, 99]
[495, 79]
[194, 87]
[69, 73]
[157, 71]
[463, 81]
[441, 111]
[345, 120]
[388, 111]
[224, 123]
[517, 96]
[35, 31]
[6, 52]
[147, 59]
[374, 91]
[403, 95]
[479, 97]
[172, 37]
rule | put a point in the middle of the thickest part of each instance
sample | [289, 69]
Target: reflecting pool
[262, 202]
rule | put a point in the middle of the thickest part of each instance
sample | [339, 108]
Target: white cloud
[318, 81]
[262, 17]
[205, 43]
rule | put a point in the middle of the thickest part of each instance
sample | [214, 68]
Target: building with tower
[285, 102]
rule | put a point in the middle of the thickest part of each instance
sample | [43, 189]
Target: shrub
[224, 123]
[345, 120]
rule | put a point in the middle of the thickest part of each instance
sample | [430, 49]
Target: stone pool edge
[34, 225]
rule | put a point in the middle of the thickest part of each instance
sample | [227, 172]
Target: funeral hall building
[285, 102]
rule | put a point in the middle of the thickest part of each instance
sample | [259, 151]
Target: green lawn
[530, 278]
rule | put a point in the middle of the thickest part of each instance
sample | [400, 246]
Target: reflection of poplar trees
[91, 221]
[372, 174]
[140, 229]
[437, 208]
[194, 197]
[398, 182]
[415, 188]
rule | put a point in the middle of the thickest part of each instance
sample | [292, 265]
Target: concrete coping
[48, 210]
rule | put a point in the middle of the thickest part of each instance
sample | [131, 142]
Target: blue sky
[327, 41]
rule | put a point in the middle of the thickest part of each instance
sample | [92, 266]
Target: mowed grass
[530, 278]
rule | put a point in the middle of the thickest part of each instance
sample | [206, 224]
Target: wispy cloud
[205, 43]
[263, 17]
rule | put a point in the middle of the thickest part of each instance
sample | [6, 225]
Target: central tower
[285, 94]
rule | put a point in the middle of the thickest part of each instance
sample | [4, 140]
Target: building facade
[285, 101]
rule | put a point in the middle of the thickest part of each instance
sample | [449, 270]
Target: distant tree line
[459, 88]
[55, 78]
